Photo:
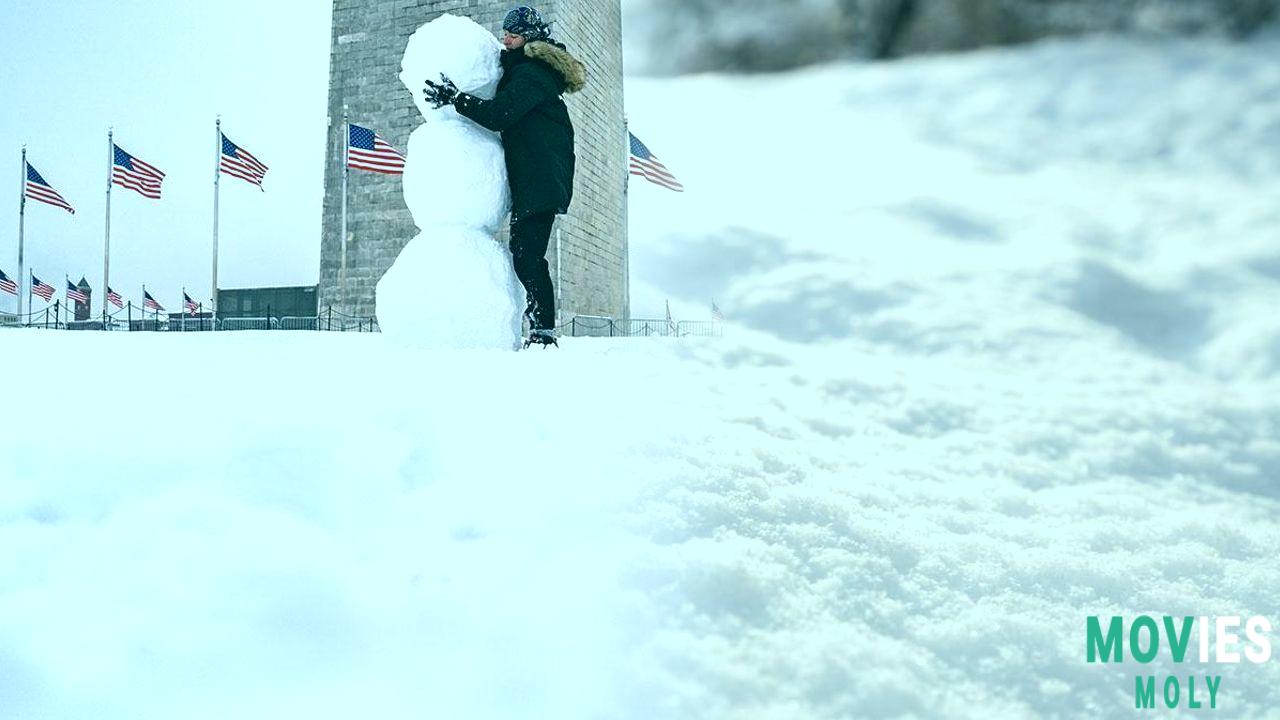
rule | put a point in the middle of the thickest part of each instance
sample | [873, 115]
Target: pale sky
[159, 72]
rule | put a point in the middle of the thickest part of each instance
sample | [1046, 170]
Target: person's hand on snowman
[441, 93]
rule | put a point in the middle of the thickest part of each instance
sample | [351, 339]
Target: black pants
[530, 235]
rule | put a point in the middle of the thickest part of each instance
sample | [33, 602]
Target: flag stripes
[7, 284]
[366, 150]
[643, 163]
[129, 172]
[149, 302]
[44, 290]
[38, 189]
[114, 298]
[237, 162]
[73, 293]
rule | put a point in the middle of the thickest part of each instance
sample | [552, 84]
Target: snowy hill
[1002, 355]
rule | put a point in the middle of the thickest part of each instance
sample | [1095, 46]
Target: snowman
[453, 285]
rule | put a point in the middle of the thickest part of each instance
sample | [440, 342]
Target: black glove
[442, 93]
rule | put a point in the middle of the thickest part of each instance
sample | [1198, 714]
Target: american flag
[366, 150]
[191, 305]
[73, 293]
[8, 285]
[130, 172]
[715, 312]
[644, 164]
[237, 162]
[44, 290]
[37, 189]
[114, 298]
[149, 302]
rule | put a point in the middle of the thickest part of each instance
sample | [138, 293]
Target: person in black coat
[537, 141]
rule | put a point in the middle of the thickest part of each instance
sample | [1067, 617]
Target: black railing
[132, 319]
[598, 326]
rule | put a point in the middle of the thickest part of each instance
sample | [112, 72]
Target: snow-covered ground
[1003, 354]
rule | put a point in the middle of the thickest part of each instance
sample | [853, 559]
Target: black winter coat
[537, 135]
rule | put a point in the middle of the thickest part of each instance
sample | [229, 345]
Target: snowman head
[458, 48]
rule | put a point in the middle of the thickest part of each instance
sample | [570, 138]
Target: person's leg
[530, 236]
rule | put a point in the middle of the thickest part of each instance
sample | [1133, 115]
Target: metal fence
[191, 324]
[134, 319]
[600, 326]
[249, 323]
[299, 323]
[54, 318]
[347, 324]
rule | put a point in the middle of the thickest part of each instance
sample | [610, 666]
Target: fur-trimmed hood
[558, 57]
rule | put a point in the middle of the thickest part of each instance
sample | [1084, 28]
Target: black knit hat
[526, 21]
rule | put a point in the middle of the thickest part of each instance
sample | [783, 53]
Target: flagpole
[22, 217]
[217, 158]
[106, 249]
[626, 221]
[346, 160]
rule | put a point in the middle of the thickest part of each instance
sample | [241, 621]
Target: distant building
[273, 302]
[82, 308]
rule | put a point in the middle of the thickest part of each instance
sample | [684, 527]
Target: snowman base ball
[453, 288]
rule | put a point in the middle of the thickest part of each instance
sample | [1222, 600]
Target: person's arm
[521, 95]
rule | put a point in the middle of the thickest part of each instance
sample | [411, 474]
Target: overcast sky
[159, 72]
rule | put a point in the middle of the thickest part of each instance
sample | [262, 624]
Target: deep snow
[1002, 355]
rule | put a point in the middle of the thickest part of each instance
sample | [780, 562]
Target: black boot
[544, 338]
